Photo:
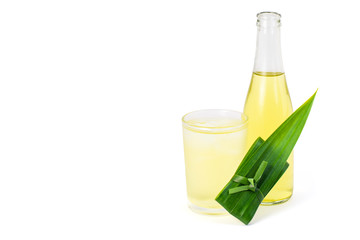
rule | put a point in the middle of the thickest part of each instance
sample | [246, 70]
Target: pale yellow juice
[212, 154]
[267, 105]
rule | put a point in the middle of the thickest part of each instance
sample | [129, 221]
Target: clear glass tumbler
[214, 145]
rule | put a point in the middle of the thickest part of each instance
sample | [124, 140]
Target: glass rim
[268, 12]
[268, 19]
[217, 129]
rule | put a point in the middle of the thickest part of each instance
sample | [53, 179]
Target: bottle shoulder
[268, 92]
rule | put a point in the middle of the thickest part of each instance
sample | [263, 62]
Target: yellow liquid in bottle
[267, 105]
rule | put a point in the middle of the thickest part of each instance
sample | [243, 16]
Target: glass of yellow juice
[214, 145]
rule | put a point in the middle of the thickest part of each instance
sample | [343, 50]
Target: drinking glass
[214, 145]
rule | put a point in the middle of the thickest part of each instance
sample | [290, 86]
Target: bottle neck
[268, 47]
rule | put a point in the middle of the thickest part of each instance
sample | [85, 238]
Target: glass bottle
[268, 101]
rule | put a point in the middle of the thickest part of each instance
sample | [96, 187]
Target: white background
[91, 99]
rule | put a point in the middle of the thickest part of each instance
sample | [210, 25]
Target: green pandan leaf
[241, 197]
